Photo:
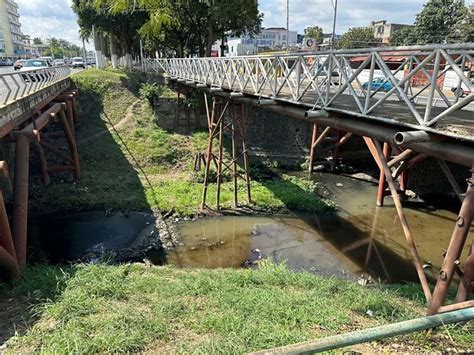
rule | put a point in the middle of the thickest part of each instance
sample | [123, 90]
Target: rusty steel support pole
[234, 155]
[9, 263]
[466, 285]
[244, 125]
[43, 162]
[6, 240]
[403, 221]
[211, 119]
[311, 149]
[20, 197]
[219, 162]
[177, 118]
[456, 244]
[382, 179]
[72, 144]
[70, 116]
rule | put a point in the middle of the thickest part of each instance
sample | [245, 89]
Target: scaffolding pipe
[376, 333]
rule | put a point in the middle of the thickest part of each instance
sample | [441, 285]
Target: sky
[54, 18]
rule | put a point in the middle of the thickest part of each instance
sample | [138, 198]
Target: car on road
[28, 70]
[58, 62]
[464, 90]
[32, 64]
[378, 83]
[19, 64]
[78, 62]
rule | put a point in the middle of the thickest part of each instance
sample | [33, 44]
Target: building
[275, 38]
[384, 31]
[11, 37]
[272, 38]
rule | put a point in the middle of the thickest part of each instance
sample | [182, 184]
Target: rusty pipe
[20, 197]
[6, 240]
[411, 137]
[9, 263]
[452, 150]
[458, 239]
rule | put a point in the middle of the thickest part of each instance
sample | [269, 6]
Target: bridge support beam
[227, 115]
[451, 259]
[13, 242]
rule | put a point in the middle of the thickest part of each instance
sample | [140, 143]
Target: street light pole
[287, 25]
[333, 40]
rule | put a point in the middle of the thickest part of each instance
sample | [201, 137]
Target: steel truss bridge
[408, 103]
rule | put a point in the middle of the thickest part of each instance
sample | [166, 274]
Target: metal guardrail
[17, 85]
[325, 80]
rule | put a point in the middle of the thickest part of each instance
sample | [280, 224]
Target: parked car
[48, 60]
[379, 83]
[58, 62]
[463, 90]
[19, 64]
[28, 69]
[78, 62]
[32, 64]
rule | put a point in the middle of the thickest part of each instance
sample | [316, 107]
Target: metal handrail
[326, 80]
[17, 85]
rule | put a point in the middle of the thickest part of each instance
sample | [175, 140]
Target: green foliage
[314, 32]
[141, 308]
[150, 92]
[440, 21]
[358, 37]
[140, 165]
[189, 27]
[60, 48]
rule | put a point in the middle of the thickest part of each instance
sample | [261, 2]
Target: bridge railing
[358, 81]
[16, 85]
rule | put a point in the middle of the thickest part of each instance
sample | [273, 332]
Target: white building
[272, 38]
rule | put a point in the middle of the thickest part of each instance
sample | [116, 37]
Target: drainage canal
[358, 239]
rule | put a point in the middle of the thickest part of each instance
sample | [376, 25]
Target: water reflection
[359, 238]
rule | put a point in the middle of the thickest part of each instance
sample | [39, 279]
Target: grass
[129, 162]
[138, 307]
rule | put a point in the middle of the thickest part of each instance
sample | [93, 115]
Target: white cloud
[351, 13]
[49, 18]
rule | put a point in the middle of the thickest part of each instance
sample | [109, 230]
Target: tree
[191, 26]
[358, 37]
[314, 32]
[440, 21]
[464, 27]
[404, 37]
[121, 27]
[37, 41]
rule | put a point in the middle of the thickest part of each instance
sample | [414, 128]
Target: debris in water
[364, 281]
[254, 232]
[339, 184]
[427, 265]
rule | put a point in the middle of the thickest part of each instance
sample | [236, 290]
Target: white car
[58, 62]
[32, 64]
[29, 73]
[78, 62]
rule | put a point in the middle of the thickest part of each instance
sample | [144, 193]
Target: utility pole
[287, 25]
[333, 40]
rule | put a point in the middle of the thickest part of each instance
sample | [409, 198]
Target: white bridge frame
[17, 85]
[318, 80]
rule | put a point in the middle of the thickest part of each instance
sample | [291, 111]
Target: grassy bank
[130, 308]
[129, 161]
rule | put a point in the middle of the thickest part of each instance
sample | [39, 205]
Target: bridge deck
[406, 86]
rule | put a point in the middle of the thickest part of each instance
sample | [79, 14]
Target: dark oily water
[61, 238]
